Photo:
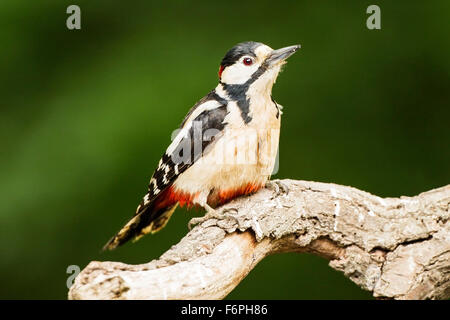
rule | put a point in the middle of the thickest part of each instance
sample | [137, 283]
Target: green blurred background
[85, 116]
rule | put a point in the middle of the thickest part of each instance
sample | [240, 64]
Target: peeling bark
[397, 248]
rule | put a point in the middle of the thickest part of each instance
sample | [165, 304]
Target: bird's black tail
[146, 221]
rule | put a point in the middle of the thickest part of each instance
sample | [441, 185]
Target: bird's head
[253, 63]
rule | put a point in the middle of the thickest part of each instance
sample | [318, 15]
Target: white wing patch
[166, 171]
[155, 186]
[184, 132]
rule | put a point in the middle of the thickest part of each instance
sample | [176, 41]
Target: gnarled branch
[394, 247]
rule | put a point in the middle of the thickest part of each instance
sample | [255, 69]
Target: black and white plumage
[226, 145]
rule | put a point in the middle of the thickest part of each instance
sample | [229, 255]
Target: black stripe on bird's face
[247, 74]
[238, 92]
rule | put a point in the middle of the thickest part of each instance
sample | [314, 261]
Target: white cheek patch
[238, 73]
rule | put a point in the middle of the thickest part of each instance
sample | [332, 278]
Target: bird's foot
[226, 213]
[278, 187]
[212, 214]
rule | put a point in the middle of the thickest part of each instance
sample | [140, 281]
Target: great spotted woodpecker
[226, 145]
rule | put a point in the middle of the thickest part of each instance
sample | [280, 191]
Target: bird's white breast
[241, 154]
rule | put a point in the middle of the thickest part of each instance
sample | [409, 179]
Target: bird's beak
[281, 54]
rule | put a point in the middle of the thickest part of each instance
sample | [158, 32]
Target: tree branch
[394, 247]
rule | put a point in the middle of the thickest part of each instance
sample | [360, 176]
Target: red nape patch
[220, 71]
[227, 195]
[169, 197]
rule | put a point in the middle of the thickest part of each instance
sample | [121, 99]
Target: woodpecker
[225, 147]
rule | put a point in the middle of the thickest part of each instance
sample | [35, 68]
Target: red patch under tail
[224, 196]
[170, 196]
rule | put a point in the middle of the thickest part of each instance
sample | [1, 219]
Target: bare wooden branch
[396, 248]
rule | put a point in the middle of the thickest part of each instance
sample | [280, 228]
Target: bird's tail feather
[147, 221]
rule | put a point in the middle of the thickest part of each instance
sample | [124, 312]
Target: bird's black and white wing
[153, 212]
[189, 144]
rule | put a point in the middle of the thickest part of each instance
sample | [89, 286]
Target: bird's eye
[248, 61]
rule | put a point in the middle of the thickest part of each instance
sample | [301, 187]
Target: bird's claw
[225, 213]
[278, 186]
[210, 214]
[195, 221]
[213, 214]
[226, 210]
